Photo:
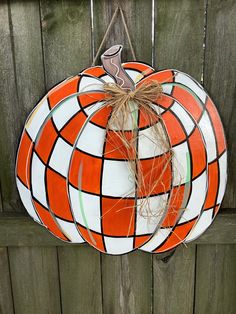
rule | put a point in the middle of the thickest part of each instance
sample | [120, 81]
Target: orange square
[213, 182]
[198, 153]
[118, 216]
[57, 195]
[115, 147]
[101, 117]
[90, 98]
[155, 175]
[91, 172]
[62, 91]
[94, 239]
[174, 208]
[218, 127]
[177, 236]
[147, 117]
[23, 159]
[188, 101]
[71, 130]
[46, 141]
[174, 128]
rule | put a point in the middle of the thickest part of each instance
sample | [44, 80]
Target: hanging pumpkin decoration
[123, 157]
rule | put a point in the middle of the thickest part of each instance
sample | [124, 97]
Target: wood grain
[174, 282]
[35, 283]
[219, 77]
[127, 283]
[215, 279]
[80, 277]
[22, 85]
[23, 231]
[9, 108]
[66, 27]
[179, 35]
[6, 301]
[138, 16]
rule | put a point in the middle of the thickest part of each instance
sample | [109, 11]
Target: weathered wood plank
[179, 35]
[35, 284]
[22, 231]
[9, 118]
[22, 84]
[6, 301]
[174, 282]
[215, 279]
[138, 15]
[66, 29]
[127, 283]
[80, 278]
[219, 77]
[127, 280]
[179, 38]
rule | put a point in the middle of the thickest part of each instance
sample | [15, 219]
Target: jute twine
[126, 105]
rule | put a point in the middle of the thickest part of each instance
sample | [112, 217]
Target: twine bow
[127, 105]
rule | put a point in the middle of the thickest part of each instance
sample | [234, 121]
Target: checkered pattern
[199, 213]
[73, 179]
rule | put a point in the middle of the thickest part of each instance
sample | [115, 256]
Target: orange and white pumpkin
[74, 180]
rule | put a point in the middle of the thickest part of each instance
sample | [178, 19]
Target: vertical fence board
[66, 29]
[179, 38]
[24, 80]
[127, 283]
[80, 277]
[219, 77]
[174, 282]
[179, 35]
[35, 283]
[9, 113]
[127, 280]
[215, 279]
[138, 15]
[6, 302]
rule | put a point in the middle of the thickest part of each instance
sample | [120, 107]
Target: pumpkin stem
[111, 60]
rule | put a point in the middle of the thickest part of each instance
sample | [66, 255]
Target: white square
[167, 88]
[86, 209]
[64, 111]
[150, 142]
[180, 163]
[37, 118]
[223, 177]
[209, 137]
[92, 140]
[184, 117]
[157, 239]
[70, 231]
[60, 157]
[38, 180]
[118, 245]
[26, 198]
[150, 214]
[197, 198]
[89, 83]
[117, 179]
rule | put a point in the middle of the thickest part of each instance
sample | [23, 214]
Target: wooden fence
[43, 42]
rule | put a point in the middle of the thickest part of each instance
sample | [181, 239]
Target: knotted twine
[126, 105]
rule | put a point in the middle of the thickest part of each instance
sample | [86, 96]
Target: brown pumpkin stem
[111, 60]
